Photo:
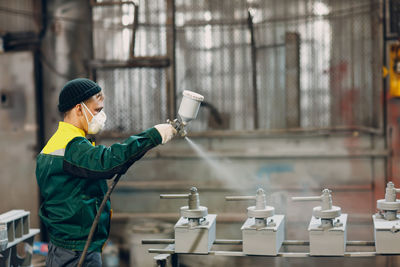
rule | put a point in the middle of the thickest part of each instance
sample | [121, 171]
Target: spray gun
[187, 111]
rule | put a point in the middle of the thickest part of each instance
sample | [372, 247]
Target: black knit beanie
[76, 91]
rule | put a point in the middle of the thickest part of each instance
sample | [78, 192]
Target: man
[71, 173]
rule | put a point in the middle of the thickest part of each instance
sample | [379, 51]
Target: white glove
[166, 131]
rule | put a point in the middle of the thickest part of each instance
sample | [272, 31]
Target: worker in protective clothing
[71, 173]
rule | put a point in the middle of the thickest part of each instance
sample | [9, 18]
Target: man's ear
[78, 110]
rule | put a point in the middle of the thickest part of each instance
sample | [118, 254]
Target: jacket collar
[65, 126]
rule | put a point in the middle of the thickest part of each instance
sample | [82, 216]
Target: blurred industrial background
[300, 95]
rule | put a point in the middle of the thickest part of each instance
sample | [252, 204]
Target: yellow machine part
[394, 76]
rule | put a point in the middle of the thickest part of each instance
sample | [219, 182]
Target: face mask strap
[96, 120]
[85, 112]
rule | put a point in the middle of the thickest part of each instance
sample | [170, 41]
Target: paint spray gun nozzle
[187, 111]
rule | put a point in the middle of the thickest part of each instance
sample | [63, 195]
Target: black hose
[214, 112]
[97, 218]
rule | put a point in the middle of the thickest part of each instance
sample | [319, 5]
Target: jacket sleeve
[84, 160]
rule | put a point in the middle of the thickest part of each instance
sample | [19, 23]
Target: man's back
[69, 203]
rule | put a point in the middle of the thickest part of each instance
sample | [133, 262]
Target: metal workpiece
[260, 211]
[193, 211]
[327, 212]
[390, 205]
[263, 232]
[195, 230]
[391, 191]
[327, 228]
[387, 223]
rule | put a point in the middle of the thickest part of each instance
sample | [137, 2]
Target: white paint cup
[190, 105]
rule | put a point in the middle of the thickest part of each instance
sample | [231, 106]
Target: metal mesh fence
[19, 16]
[215, 62]
[335, 85]
[213, 58]
[335, 69]
[135, 98]
[151, 34]
[112, 31]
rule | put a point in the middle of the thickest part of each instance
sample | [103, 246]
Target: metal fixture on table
[327, 228]
[263, 232]
[195, 230]
[387, 223]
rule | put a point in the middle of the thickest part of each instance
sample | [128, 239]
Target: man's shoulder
[59, 141]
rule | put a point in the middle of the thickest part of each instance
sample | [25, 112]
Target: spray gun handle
[179, 126]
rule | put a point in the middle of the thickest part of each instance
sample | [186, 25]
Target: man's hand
[166, 131]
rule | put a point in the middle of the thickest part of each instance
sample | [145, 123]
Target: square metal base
[387, 235]
[327, 242]
[264, 241]
[198, 239]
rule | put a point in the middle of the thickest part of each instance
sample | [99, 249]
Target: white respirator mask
[97, 122]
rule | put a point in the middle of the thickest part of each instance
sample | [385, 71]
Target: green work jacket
[71, 173]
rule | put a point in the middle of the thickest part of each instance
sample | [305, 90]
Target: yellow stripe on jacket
[64, 134]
